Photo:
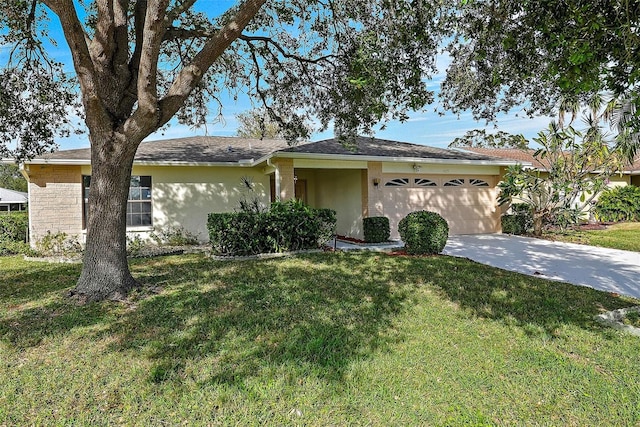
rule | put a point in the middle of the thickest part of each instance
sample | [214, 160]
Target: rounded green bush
[376, 229]
[423, 232]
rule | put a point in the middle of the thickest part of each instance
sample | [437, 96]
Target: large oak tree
[138, 64]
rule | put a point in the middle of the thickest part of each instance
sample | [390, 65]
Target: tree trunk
[105, 271]
[537, 225]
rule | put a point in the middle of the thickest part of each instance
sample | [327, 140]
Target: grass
[625, 236]
[320, 339]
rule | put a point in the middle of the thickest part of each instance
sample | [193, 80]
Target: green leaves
[574, 168]
[287, 226]
[542, 51]
[619, 204]
[35, 107]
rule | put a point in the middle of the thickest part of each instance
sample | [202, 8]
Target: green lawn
[624, 236]
[321, 339]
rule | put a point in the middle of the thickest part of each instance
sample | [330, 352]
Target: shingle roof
[634, 168]
[527, 156]
[196, 149]
[374, 147]
[11, 196]
[216, 149]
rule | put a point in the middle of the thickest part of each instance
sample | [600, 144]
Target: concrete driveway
[609, 270]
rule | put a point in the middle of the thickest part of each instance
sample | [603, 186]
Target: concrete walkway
[609, 270]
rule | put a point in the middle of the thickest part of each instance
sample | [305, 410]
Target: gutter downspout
[277, 179]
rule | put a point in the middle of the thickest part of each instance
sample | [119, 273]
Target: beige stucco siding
[340, 190]
[55, 200]
[439, 169]
[184, 196]
[619, 181]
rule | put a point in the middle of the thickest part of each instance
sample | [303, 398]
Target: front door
[301, 190]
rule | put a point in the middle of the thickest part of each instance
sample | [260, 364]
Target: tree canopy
[538, 53]
[349, 64]
[11, 178]
[500, 139]
[138, 64]
[257, 123]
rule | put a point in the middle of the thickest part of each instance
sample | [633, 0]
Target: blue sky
[427, 127]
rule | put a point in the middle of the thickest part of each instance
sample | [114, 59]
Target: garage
[467, 202]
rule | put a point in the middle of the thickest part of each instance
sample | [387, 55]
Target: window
[458, 182]
[424, 182]
[138, 204]
[475, 182]
[398, 182]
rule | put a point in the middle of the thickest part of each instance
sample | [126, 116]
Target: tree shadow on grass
[315, 315]
[34, 303]
[308, 316]
[537, 305]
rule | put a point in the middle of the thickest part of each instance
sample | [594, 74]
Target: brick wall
[55, 203]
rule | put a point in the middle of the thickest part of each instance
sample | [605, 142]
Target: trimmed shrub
[287, 226]
[424, 232]
[376, 229]
[11, 247]
[13, 227]
[513, 224]
[238, 233]
[619, 204]
[520, 221]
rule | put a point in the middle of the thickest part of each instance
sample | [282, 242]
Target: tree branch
[130, 97]
[178, 10]
[283, 52]
[145, 118]
[192, 74]
[96, 114]
[110, 52]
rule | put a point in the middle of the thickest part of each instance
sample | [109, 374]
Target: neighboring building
[177, 182]
[629, 176]
[11, 200]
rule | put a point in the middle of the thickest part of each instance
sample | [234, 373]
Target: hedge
[619, 204]
[287, 226]
[14, 226]
[520, 222]
[376, 229]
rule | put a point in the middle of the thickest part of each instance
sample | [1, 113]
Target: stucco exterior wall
[340, 190]
[619, 181]
[185, 195]
[55, 200]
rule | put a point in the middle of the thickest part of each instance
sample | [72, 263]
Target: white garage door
[468, 203]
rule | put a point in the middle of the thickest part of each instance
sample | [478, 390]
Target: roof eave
[85, 162]
[292, 155]
[422, 160]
